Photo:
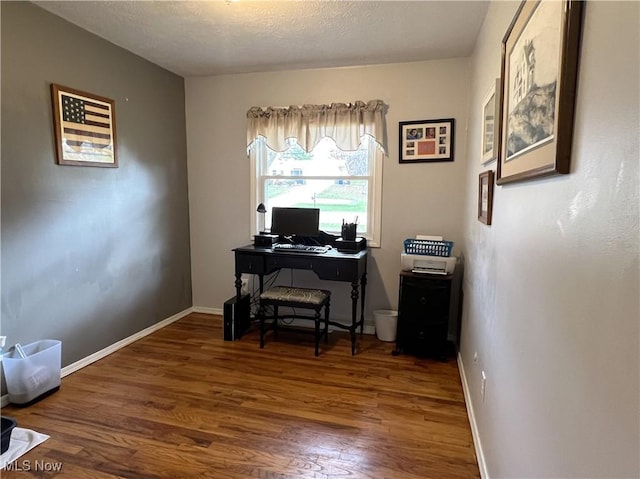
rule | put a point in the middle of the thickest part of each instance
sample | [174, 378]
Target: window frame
[374, 203]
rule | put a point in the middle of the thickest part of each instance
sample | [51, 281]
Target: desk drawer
[250, 263]
[338, 270]
[289, 261]
[334, 269]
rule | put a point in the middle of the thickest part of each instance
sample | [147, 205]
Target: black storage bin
[7, 428]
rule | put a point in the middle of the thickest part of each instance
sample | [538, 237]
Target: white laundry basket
[386, 324]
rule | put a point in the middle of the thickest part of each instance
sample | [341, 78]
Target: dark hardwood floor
[183, 403]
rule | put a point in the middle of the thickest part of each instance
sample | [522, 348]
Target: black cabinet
[428, 322]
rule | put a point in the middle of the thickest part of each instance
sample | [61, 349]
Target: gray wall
[551, 287]
[89, 255]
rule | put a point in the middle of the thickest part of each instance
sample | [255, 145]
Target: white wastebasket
[386, 324]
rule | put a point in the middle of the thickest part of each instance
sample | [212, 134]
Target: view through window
[341, 183]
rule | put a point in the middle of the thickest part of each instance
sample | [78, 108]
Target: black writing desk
[332, 266]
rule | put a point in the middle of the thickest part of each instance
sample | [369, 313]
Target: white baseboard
[206, 310]
[72, 368]
[482, 465]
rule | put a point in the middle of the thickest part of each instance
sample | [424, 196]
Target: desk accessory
[265, 239]
[349, 230]
[351, 246]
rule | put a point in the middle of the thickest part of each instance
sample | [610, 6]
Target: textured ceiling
[195, 38]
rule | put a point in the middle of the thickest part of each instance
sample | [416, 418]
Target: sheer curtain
[345, 123]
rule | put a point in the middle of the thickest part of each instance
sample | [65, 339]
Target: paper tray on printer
[429, 271]
[419, 263]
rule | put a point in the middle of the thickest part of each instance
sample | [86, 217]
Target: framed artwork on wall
[85, 128]
[539, 71]
[426, 140]
[490, 115]
[485, 196]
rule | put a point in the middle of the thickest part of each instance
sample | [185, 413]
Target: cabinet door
[425, 300]
[423, 339]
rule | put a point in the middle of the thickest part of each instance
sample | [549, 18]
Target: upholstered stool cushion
[287, 294]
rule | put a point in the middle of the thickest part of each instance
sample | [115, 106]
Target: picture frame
[426, 140]
[538, 75]
[85, 128]
[490, 115]
[485, 196]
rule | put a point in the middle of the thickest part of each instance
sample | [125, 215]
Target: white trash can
[386, 324]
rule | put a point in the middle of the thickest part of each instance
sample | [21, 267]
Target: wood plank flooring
[183, 403]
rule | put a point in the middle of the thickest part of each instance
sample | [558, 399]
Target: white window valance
[345, 123]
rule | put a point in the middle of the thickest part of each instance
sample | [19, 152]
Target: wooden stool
[303, 298]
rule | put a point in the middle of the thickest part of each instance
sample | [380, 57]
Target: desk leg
[238, 286]
[354, 315]
[363, 288]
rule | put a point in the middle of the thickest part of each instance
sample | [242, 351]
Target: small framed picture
[490, 115]
[426, 140]
[485, 196]
[85, 128]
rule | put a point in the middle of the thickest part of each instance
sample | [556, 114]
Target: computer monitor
[295, 221]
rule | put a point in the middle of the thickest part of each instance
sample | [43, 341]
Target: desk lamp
[262, 210]
[263, 238]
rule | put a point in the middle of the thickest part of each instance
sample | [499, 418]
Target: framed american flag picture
[85, 128]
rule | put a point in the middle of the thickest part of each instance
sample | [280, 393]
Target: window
[345, 185]
[323, 156]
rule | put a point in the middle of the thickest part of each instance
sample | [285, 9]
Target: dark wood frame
[440, 140]
[553, 156]
[64, 155]
[485, 181]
